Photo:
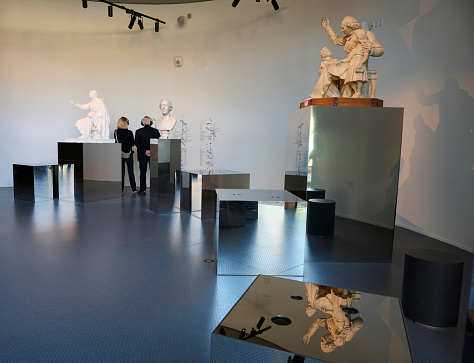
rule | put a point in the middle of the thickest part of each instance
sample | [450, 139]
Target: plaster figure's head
[349, 24]
[165, 106]
[327, 343]
[325, 52]
[93, 94]
[146, 121]
[122, 123]
[310, 310]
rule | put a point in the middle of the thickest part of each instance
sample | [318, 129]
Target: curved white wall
[246, 68]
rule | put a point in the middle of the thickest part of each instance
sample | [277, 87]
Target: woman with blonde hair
[125, 137]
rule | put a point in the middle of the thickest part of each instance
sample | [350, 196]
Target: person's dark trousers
[131, 175]
[143, 164]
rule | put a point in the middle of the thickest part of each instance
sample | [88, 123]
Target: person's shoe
[141, 192]
[134, 191]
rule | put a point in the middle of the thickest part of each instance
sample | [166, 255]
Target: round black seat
[431, 289]
[320, 217]
[315, 193]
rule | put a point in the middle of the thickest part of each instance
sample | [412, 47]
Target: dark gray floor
[112, 281]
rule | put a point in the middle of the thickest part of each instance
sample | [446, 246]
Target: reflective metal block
[34, 181]
[198, 189]
[252, 234]
[97, 169]
[354, 154]
[280, 320]
[165, 164]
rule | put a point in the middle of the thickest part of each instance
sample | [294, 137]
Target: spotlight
[275, 5]
[84, 4]
[157, 27]
[110, 11]
[235, 3]
[140, 23]
[132, 21]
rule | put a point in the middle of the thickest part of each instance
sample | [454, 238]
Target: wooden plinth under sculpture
[342, 101]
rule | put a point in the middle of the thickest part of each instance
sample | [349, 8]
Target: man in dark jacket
[142, 142]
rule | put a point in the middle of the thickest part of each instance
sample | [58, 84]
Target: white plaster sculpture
[350, 75]
[166, 123]
[96, 124]
[331, 301]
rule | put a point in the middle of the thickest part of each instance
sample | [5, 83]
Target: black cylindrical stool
[320, 217]
[315, 193]
[431, 289]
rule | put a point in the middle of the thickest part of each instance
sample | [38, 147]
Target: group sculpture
[348, 77]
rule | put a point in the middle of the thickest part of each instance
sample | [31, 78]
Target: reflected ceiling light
[275, 5]
[133, 17]
[84, 4]
[140, 23]
[235, 3]
[110, 11]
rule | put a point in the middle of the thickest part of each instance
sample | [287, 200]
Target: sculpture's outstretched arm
[87, 106]
[331, 33]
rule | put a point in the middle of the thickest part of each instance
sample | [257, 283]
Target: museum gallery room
[236, 181]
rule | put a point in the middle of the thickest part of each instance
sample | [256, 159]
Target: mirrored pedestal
[248, 241]
[165, 164]
[198, 189]
[97, 169]
[353, 153]
[32, 182]
[280, 320]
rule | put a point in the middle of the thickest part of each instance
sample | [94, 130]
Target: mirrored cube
[97, 169]
[255, 234]
[198, 188]
[353, 153]
[281, 320]
[32, 182]
[165, 164]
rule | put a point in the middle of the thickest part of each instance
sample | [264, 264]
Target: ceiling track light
[133, 17]
[275, 5]
[235, 3]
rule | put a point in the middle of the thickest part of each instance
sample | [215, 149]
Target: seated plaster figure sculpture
[333, 87]
[340, 325]
[166, 123]
[352, 72]
[96, 124]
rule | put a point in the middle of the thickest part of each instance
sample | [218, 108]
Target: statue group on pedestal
[348, 77]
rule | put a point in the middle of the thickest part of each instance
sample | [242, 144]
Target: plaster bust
[166, 123]
[96, 124]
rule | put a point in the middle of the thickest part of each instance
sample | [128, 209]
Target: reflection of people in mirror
[166, 123]
[332, 300]
[96, 124]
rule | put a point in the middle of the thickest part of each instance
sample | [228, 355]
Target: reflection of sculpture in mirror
[349, 77]
[96, 124]
[166, 123]
[337, 303]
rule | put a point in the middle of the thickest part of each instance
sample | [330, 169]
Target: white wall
[246, 68]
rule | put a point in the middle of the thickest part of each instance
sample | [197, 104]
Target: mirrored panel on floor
[279, 320]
